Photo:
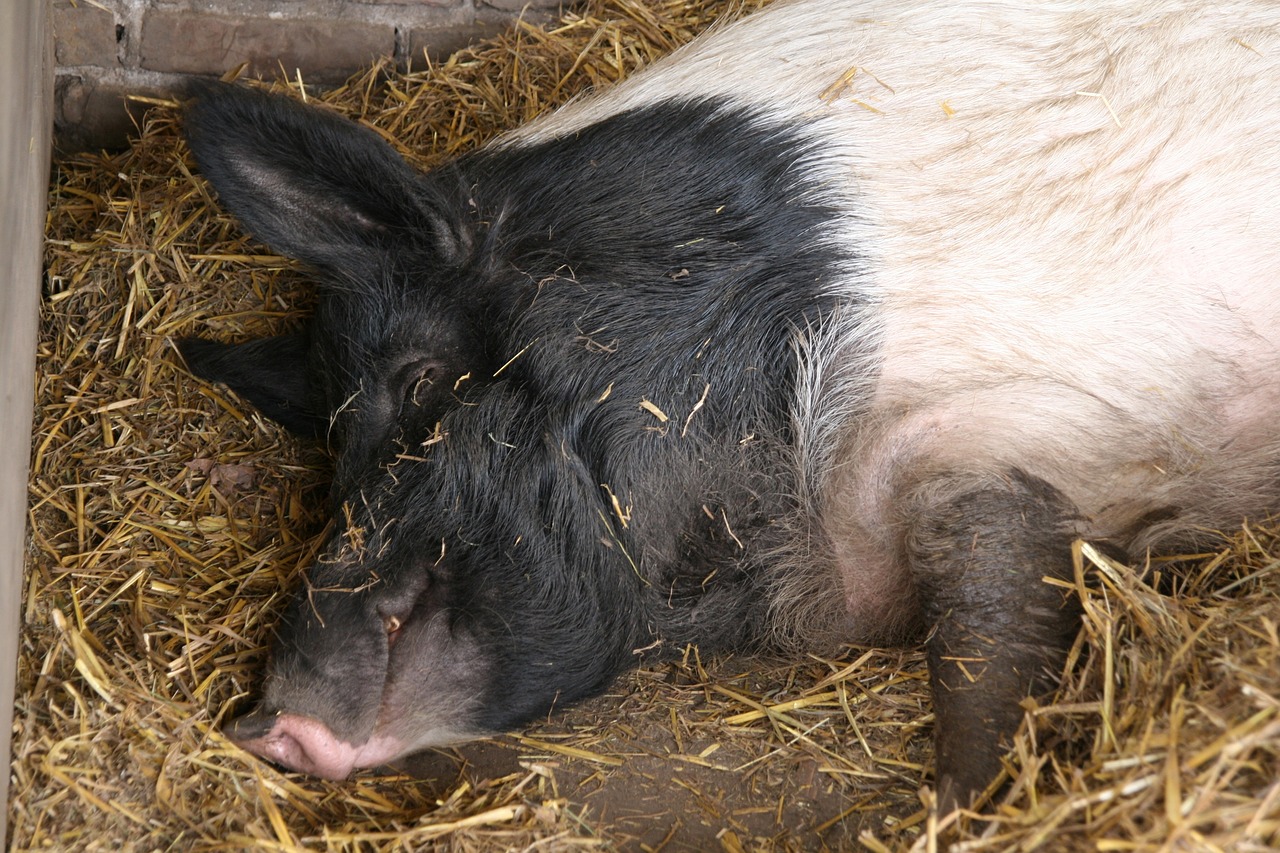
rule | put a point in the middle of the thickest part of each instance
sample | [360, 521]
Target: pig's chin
[307, 745]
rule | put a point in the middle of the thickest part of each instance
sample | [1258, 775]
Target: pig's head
[442, 607]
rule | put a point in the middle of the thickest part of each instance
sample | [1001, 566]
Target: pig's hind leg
[979, 551]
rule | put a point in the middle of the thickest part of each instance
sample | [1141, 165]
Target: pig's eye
[417, 380]
[391, 624]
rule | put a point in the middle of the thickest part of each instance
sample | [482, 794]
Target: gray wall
[113, 48]
[26, 98]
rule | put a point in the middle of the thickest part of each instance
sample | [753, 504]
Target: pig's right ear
[305, 181]
[271, 373]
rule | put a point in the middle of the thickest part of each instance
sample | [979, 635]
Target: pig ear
[271, 373]
[307, 182]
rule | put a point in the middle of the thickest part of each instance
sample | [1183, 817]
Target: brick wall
[106, 49]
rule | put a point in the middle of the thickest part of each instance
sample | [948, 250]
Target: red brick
[192, 43]
[84, 35]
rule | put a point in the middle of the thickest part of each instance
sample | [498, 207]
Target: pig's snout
[295, 742]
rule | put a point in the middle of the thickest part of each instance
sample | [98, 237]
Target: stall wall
[109, 49]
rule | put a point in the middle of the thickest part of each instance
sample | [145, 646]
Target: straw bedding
[167, 521]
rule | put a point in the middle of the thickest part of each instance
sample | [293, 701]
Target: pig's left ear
[271, 373]
[307, 182]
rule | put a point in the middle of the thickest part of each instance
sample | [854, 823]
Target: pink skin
[308, 746]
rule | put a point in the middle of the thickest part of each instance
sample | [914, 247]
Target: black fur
[271, 373]
[553, 289]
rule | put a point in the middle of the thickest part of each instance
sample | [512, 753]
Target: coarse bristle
[168, 521]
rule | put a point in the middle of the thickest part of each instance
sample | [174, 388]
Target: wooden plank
[26, 99]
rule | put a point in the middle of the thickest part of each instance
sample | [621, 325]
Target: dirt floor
[653, 760]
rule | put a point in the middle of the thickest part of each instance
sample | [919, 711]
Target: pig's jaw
[308, 746]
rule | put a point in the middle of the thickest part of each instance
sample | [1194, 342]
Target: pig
[839, 325]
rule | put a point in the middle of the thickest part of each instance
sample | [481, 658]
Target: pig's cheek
[435, 681]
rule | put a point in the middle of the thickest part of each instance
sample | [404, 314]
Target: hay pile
[167, 520]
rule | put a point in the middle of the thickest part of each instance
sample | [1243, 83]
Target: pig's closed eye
[418, 379]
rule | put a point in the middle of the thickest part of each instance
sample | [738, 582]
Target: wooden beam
[26, 98]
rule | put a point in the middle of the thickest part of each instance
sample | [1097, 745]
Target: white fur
[1070, 219]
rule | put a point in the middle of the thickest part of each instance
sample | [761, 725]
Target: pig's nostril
[255, 724]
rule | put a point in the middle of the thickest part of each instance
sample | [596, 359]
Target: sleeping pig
[838, 325]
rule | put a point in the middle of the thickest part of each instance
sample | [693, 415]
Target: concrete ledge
[114, 48]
